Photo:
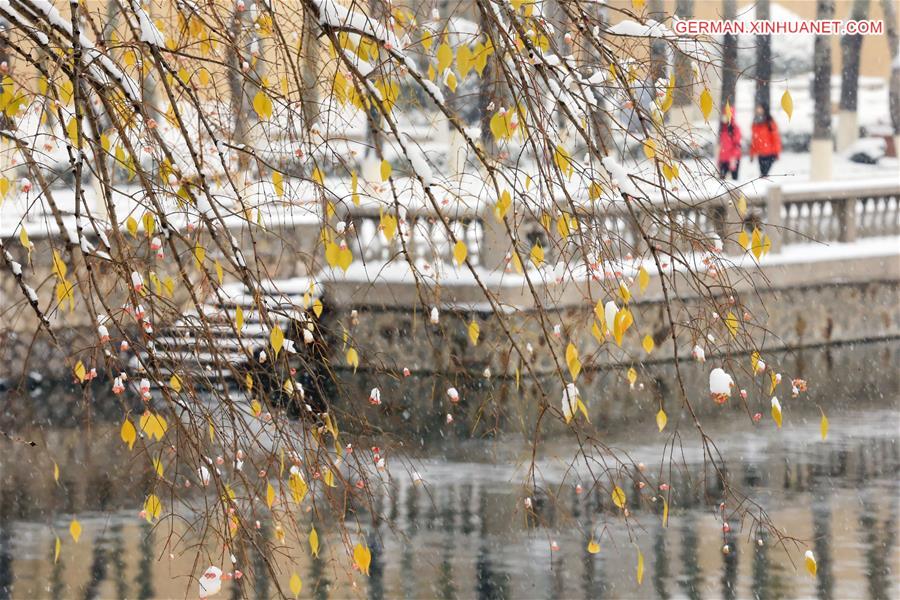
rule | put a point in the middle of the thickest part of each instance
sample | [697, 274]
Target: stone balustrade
[838, 212]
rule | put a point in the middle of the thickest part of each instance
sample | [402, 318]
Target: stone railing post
[774, 202]
[494, 241]
[846, 213]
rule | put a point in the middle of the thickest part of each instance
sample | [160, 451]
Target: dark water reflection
[463, 533]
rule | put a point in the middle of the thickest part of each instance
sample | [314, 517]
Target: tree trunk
[683, 95]
[893, 40]
[848, 130]
[656, 12]
[763, 57]
[729, 57]
[821, 147]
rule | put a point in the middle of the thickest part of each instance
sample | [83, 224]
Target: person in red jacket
[765, 141]
[729, 146]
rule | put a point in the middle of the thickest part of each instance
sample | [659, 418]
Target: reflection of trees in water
[691, 580]
[446, 586]
[490, 581]
[879, 542]
[144, 578]
[99, 564]
[117, 544]
[6, 554]
[376, 567]
[261, 581]
[56, 574]
[660, 563]
[730, 566]
[821, 521]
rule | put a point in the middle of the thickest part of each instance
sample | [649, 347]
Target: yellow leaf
[537, 255]
[597, 333]
[23, 239]
[665, 519]
[563, 161]
[262, 104]
[4, 187]
[362, 557]
[270, 495]
[278, 183]
[744, 240]
[706, 103]
[649, 148]
[444, 57]
[464, 61]
[199, 256]
[175, 383]
[787, 104]
[811, 565]
[128, 433]
[624, 292]
[55, 472]
[298, 487]
[153, 424]
[57, 548]
[388, 225]
[59, 266]
[220, 274]
[72, 131]
[317, 308]
[823, 425]
[731, 322]
[503, 205]
[296, 584]
[314, 542]
[474, 332]
[661, 419]
[149, 223]
[639, 575]
[239, 319]
[75, 530]
[80, 371]
[353, 358]
[632, 375]
[756, 244]
[618, 497]
[741, 206]
[643, 279]
[648, 344]
[776, 411]
[621, 322]
[593, 547]
[562, 226]
[460, 251]
[152, 506]
[276, 338]
[572, 361]
[386, 170]
[318, 176]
